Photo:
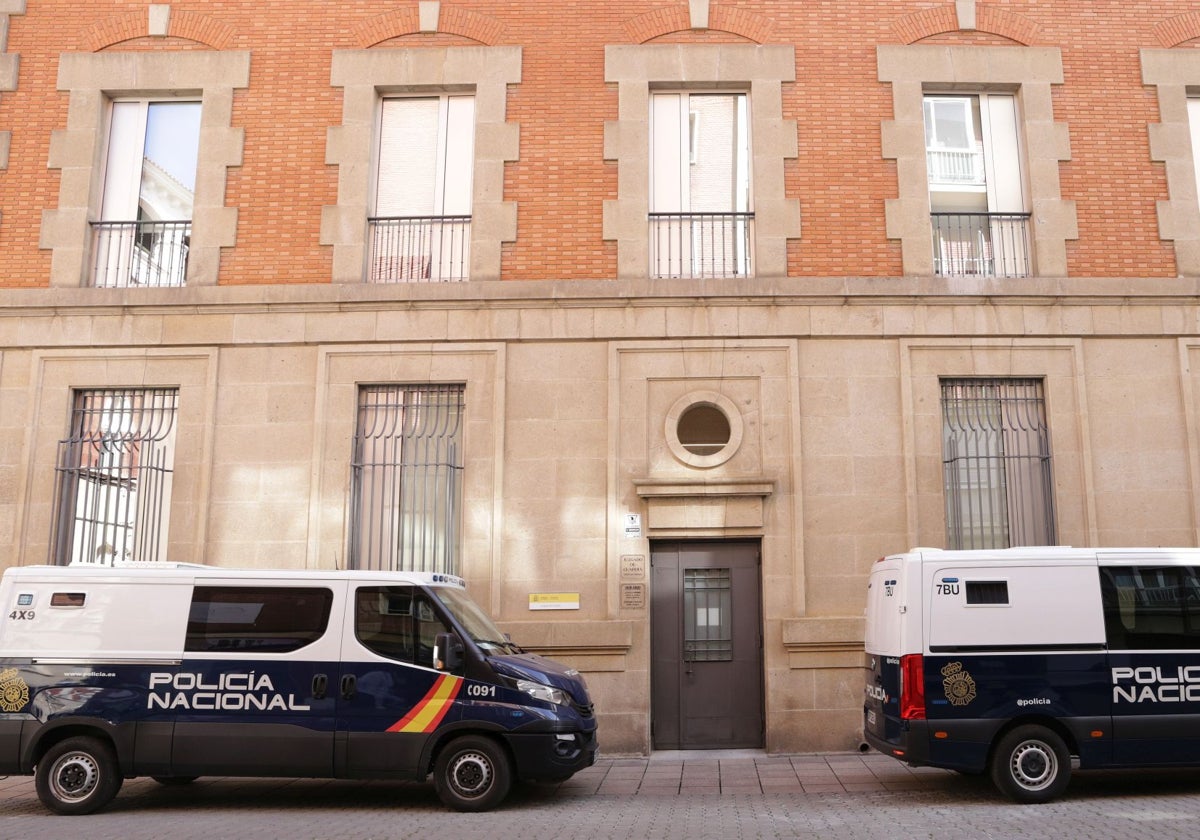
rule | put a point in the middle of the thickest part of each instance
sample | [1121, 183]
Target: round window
[703, 429]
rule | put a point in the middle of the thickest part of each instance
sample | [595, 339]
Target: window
[263, 619]
[397, 622]
[1007, 84]
[738, 119]
[421, 226]
[976, 194]
[149, 189]
[987, 591]
[996, 463]
[700, 217]
[1151, 608]
[114, 475]
[406, 478]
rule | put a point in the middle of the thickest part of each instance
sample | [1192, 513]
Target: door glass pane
[707, 609]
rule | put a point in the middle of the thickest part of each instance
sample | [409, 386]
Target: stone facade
[576, 366]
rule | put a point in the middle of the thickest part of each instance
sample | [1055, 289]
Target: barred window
[406, 478]
[114, 474]
[996, 463]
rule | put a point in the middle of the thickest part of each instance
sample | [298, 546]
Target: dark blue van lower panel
[552, 756]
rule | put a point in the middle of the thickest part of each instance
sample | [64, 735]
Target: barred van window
[406, 478]
[999, 490]
[113, 481]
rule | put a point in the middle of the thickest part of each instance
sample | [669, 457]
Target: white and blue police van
[1019, 661]
[175, 671]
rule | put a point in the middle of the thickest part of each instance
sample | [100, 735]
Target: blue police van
[1018, 662]
[176, 671]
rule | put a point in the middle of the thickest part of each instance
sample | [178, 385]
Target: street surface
[830, 796]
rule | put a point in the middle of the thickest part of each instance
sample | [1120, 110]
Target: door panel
[706, 628]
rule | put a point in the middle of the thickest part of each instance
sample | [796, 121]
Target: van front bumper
[552, 756]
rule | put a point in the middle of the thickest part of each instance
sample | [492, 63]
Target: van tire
[78, 776]
[472, 773]
[1031, 764]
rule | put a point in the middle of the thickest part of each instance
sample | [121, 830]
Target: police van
[1014, 661]
[176, 671]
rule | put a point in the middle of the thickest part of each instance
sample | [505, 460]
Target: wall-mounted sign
[633, 596]
[633, 525]
[553, 600]
[633, 567]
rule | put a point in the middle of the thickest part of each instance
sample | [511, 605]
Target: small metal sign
[633, 567]
[633, 525]
[633, 596]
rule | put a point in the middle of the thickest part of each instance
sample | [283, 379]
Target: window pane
[260, 619]
[707, 615]
[114, 477]
[996, 459]
[1151, 608]
[408, 154]
[406, 482]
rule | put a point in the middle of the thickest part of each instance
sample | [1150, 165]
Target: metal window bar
[707, 611]
[406, 478]
[999, 488]
[419, 249]
[981, 244]
[114, 477]
[701, 245]
[140, 253]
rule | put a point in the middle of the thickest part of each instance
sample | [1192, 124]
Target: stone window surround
[1030, 71]
[636, 70]
[1057, 362]
[93, 79]
[365, 75]
[1175, 73]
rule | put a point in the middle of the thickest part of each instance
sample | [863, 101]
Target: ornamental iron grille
[114, 477]
[406, 478]
[996, 463]
[707, 615]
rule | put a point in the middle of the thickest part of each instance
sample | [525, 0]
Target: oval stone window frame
[697, 399]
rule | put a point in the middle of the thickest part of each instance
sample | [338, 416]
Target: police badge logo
[14, 692]
[959, 687]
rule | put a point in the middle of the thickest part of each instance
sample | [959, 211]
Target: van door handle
[349, 687]
[320, 686]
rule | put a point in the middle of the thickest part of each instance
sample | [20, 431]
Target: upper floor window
[701, 222]
[996, 462]
[144, 231]
[977, 198]
[115, 471]
[420, 229]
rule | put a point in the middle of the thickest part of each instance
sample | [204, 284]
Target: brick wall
[561, 180]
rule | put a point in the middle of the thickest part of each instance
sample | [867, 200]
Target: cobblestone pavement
[699, 796]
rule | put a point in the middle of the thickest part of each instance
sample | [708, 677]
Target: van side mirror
[447, 652]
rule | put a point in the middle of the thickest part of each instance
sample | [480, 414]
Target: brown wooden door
[706, 672]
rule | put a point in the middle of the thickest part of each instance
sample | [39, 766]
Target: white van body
[177, 671]
[1015, 660]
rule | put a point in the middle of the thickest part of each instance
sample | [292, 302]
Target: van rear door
[884, 648]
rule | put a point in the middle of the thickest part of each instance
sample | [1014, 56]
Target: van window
[398, 622]
[987, 591]
[266, 619]
[1151, 607]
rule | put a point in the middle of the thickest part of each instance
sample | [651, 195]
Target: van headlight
[538, 691]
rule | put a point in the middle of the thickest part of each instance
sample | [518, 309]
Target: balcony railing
[699, 245]
[140, 254]
[955, 166]
[419, 249]
[981, 244]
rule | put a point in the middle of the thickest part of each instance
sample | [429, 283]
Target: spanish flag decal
[426, 715]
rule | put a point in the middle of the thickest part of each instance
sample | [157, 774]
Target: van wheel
[472, 774]
[1031, 764]
[78, 776]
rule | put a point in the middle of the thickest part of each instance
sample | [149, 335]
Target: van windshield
[474, 621]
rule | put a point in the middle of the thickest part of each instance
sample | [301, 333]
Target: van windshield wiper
[503, 645]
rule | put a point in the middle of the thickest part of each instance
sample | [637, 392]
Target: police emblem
[959, 687]
[14, 692]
